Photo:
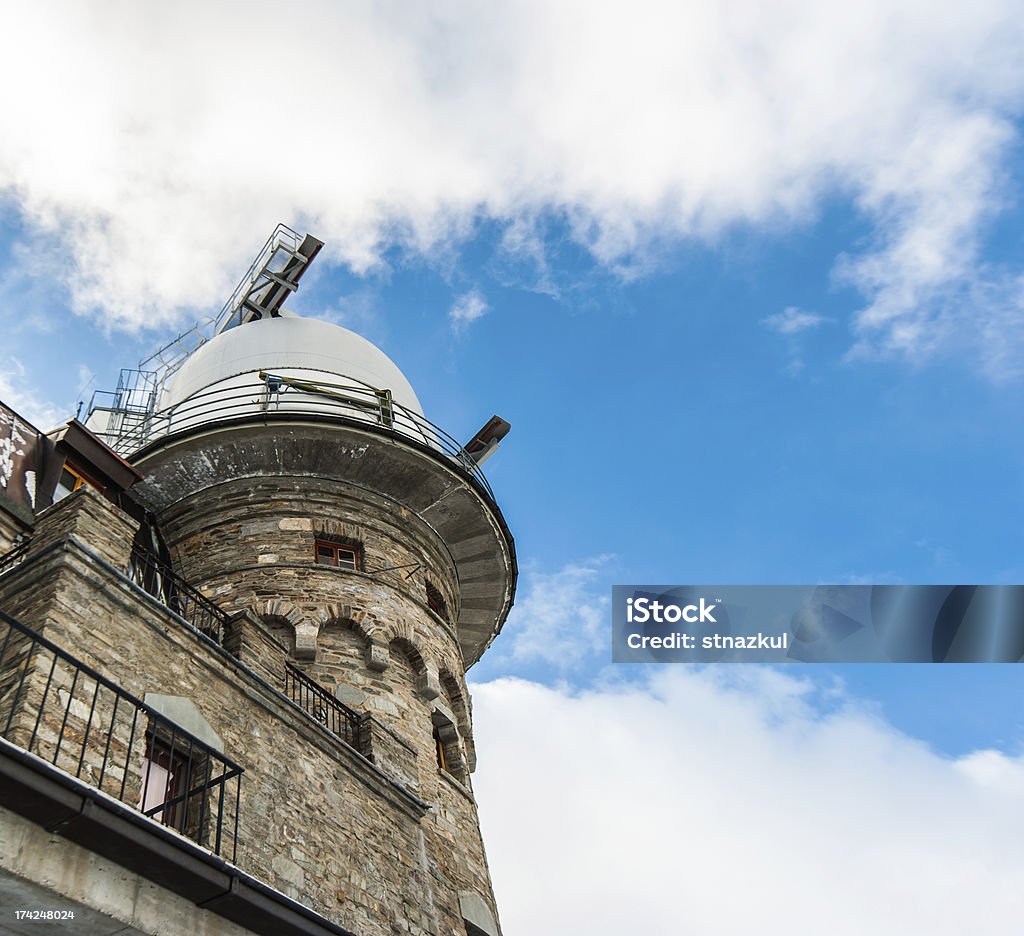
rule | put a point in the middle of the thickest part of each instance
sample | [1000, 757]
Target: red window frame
[338, 555]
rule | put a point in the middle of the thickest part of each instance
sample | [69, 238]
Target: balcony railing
[321, 705]
[277, 397]
[58, 708]
[175, 593]
[12, 558]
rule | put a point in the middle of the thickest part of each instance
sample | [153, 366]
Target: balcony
[243, 398]
[112, 777]
[174, 593]
[322, 707]
[78, 721]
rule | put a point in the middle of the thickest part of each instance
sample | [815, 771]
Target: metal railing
[58, 708]
[282, 238]
[317, 702]
[241, 396]
[13, 557]
[171, 590]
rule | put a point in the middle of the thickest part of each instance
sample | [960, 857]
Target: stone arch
[410, 651]
[361, 622]
[341, 634]
[427, 685]
[279, 608]
[458, 702]
[304, 630]
[372, 633]
[456, 699]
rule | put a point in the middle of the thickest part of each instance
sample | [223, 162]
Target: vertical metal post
[88, 728]
[238, 807]
[128, 756]
[188, 789]
[110, 737]
[167, 814]
[220, 815]
[149, 771]
[42, 704]
[64, 722]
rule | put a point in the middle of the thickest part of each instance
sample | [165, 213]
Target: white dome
[291, 346]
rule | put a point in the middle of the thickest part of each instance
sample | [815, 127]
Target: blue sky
[747, 283]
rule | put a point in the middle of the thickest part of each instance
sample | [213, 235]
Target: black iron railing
[316, 701]
[65, 712]
[174, 592]
[12, 558]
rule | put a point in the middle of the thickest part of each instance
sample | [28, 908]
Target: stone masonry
[377, 833]
[385, 843]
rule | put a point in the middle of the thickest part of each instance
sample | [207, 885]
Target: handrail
[282, 236]
[62, 710]
[317, 702]
[231, 398]
[159, 580]
[14, 556]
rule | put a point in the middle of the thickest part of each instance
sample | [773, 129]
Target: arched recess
[371, 634]
[361, 622]
[425, 683]
[458, 703]
[343, 654]
[304, 630]
[456, 700]
[340, 662]
[282, 630]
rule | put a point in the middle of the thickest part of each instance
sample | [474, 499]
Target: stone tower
[356, 564]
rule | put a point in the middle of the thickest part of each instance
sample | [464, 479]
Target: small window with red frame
[338, 554]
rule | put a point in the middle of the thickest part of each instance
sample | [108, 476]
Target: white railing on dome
[277, 397]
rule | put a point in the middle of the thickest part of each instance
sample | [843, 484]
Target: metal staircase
[273, 276]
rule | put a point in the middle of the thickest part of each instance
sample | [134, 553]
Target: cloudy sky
[745, 278]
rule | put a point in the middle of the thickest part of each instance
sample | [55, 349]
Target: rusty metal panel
[22, 456]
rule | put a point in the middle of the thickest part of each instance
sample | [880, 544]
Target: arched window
[436, 602]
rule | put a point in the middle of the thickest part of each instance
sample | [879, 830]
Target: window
[447, 748]
[439, 750]
[164, 781]
[341, 555]
[176, 785]
[70, 480]
[436, 603]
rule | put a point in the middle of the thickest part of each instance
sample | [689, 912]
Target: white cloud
[792, 320]
[723, 801]
[559, 617]
[25, 400]
[159, 154]
[466, 309]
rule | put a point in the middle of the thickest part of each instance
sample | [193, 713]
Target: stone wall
[368, 636]
[318, 821]
[228, 534]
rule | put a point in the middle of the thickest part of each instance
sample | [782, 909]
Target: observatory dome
[294, 346]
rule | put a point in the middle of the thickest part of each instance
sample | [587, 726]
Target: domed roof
[289, 344]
